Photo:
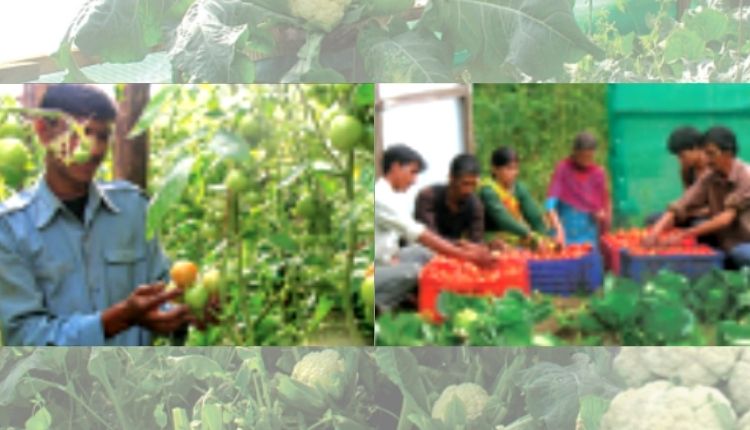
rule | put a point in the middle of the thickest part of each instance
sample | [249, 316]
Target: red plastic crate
[613, 244]
[446, 274]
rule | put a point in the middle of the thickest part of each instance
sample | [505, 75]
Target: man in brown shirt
[454, 211]
[686, 143]
[724, 191]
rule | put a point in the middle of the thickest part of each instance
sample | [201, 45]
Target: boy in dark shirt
[454, 211]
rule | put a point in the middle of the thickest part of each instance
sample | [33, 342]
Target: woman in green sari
[511, 215]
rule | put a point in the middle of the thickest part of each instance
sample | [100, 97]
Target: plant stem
[69, 390]
[351, 248]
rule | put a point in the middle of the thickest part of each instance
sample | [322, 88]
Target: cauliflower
[661, 405]
[324, 370]
[686, 365]
[744, 423]
[739, 385]
[325, 14]
[472, 396]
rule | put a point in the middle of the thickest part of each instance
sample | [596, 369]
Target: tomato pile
[632, 240]
[465, 277]
[570, 252]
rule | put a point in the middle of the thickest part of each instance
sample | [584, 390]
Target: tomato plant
[247, 183]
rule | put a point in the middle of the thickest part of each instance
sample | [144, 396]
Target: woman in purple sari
[578, 195]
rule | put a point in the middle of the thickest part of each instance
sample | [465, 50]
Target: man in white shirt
[397, 269]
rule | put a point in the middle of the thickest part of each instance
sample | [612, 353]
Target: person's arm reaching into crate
[695, 196]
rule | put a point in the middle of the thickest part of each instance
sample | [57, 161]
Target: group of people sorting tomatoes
[469, 217]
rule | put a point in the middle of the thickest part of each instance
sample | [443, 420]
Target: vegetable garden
[358, 388]
[261, 195]
[407, 41]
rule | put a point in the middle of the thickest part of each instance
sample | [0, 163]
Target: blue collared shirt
[58, 274]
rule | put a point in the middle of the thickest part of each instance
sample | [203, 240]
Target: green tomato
[212, 281]
[305, 207]
[251, 128]
[196, 298]
[13, 159]
[346, 131]
[236, 181]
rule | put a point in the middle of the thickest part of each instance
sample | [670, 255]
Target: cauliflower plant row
[681, 388]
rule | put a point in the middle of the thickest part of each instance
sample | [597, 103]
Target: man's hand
[471, 246]
[650, 239]
[482, 257]
[560, 237]
[141, 308]
[675, 237]
[498, 245]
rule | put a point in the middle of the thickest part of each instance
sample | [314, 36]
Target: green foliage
[385, 41]
[667, 310]
[539, 122]
[210, 389]
[528, 388]
[507, 321]
[245, 179]
[707, 46]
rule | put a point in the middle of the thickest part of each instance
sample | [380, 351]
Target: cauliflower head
[324, 370]
[325, 14]
[661, 405]
[472, 396]
[739, 385]
[686, 365]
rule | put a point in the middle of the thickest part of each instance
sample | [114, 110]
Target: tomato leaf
[169, 194]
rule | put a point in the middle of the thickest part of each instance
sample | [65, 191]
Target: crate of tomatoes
[565, 271]
[693, 261]
[613, 244]
[461, 277]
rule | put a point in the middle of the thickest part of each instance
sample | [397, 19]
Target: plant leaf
[211, 34]
[169, 194]
[409, 57]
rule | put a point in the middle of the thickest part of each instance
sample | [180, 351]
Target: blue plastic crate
[566, 277]
[642, 267]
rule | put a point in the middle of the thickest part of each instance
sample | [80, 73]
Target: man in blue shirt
[75, 265]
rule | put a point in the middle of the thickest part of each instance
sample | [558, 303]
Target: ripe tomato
[184, 273]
